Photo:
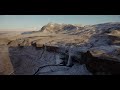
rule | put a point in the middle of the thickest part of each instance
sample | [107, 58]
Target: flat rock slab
[76, 69]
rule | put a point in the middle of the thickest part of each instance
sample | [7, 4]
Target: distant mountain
[99, 34]
[107, 27]
[99, 28]
[55, 28]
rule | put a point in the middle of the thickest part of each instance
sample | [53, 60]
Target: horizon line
[38, 28]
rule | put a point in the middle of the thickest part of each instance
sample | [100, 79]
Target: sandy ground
[44, 38]
[6, 67]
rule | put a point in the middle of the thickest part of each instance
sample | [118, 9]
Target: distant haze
[35, 22]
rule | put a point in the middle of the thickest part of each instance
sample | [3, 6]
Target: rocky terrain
[62, 49]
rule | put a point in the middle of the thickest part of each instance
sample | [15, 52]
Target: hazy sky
[37, 21]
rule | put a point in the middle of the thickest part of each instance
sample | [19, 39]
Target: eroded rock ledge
[52, 60]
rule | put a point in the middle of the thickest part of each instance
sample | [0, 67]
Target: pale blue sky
[30, 21]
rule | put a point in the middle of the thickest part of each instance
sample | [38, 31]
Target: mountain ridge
[56, 27]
